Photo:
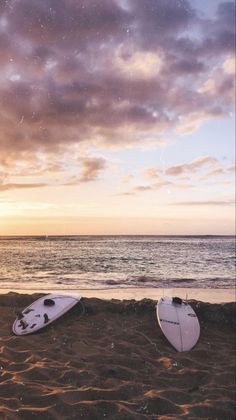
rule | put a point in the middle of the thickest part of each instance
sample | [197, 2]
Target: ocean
[106, 262]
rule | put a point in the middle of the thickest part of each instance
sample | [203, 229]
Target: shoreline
[204, 295]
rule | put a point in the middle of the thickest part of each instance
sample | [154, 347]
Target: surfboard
[43, 312]
[178, 322]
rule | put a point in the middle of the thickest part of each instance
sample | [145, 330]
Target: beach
[108, 358]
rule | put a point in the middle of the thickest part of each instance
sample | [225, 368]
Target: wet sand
[204, 295]
[109, 359]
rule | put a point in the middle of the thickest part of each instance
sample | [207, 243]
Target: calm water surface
[104, 262]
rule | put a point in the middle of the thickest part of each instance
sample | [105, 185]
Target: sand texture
[110, 360]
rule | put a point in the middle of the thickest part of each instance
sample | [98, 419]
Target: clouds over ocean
[72, 71]
[78, 78]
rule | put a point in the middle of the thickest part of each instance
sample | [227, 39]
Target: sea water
[106, 262]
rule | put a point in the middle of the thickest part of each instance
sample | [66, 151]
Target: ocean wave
[184, 280]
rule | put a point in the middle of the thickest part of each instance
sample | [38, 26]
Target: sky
[117, 117]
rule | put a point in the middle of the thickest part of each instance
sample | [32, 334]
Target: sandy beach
[109, 359]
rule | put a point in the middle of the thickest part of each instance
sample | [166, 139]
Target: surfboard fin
[46, 319]
[49, 302]
[177, 300]
[23, 324]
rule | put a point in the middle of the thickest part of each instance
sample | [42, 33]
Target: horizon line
[46, 236]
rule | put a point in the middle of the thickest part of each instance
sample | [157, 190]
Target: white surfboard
[43, 312]
[178, 322]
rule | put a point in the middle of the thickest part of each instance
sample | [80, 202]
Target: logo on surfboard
[169, 322]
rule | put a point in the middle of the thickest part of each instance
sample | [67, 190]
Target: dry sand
[110, 360]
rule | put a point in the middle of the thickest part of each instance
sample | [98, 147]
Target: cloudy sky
[117, 116]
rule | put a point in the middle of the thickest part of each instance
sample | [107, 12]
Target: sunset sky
[117, 117]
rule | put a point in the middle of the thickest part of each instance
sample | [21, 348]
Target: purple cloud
[91, 72]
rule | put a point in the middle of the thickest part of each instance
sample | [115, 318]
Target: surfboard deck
[178, 322]
[43, 312]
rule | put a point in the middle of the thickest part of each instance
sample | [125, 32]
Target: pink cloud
[59, 86]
